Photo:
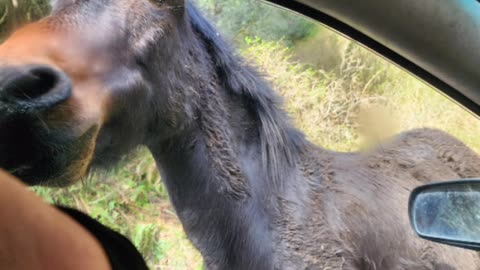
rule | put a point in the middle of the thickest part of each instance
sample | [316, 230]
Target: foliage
[132, 200]
[14, 13]
[248, 18]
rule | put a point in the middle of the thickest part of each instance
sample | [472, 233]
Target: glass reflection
[450, 212]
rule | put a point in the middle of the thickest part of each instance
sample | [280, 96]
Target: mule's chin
[38, 155]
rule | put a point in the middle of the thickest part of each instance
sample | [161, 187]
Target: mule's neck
[231, 231]
[225, 167]
[218, 183]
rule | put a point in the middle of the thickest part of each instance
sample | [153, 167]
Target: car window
[343, 96]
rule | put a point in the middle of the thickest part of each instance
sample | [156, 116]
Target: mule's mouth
[47, 132]
[39, 155]
[53, 102]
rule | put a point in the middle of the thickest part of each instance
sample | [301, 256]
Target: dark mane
[279, 140]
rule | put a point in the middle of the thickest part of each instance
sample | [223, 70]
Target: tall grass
[14, 13]
[248, 18]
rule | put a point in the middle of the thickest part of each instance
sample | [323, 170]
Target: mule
[95, 79]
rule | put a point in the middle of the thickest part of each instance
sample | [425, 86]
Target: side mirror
[447, 212]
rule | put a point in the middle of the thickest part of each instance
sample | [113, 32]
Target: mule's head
[77, 87]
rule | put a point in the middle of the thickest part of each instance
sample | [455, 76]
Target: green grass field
[355, 104]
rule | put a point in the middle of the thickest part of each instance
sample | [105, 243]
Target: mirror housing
[447, 212]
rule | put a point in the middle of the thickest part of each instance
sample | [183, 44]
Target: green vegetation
[14, 13]
[132, 200]
[361, 101]
[248, 18]
[341, 95]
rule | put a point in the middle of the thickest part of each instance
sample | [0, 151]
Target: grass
[355, 102]
[361, 100]
[132, 200]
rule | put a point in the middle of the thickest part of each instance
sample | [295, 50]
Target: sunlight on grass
[342, 96]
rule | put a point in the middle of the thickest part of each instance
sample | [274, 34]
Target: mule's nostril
[35, 84]
[32, 88]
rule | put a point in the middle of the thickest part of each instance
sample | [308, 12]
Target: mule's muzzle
[31, 89]
[31, 147]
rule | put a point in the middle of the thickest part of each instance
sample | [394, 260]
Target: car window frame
[381, 50]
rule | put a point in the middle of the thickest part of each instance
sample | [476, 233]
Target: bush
[362, 101]
[337, 109]
[14, 13]
[249, 18]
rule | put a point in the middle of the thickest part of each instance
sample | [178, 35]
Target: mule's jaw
[81, 157]
[52, 145]
[53, 159]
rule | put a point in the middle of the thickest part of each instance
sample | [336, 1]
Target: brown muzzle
[52, 105]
